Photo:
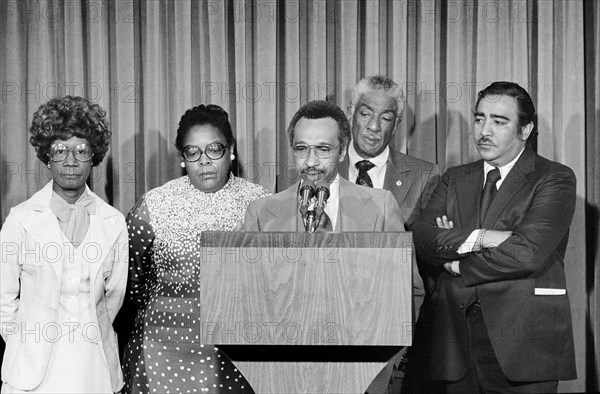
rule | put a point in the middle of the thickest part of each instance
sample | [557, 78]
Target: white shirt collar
[378, 160]
[376, 173]
[504, 170]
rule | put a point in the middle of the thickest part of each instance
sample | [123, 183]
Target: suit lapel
[354, 210]
[468, 191]
[49, 243]
[343, 168]
[398, 177]
[102, 235]
[516, 178]
[45, 231]
[284, 214]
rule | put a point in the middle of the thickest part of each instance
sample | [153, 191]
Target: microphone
[307, 192]
[322, 193]
[309, 222]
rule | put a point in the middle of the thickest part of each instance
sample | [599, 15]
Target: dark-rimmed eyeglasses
[302, 151]
[81, 152]
[213, 151]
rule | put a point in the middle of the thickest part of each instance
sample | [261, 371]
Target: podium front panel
[306, 289]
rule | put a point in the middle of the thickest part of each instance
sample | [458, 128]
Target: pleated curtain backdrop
[146, 62]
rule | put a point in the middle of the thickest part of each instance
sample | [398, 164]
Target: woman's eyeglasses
[213, 151]
[81, 152]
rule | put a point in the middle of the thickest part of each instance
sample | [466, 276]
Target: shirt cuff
[455, 267]
[469, 244]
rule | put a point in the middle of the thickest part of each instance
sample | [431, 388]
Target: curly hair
[204, 114]
[65, 117]
[320, 109]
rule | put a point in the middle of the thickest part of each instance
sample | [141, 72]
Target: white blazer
[30, 277]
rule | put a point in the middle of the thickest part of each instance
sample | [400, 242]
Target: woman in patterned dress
[64, 264]
[164, 354]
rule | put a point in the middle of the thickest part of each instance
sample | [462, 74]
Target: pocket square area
[547, 291]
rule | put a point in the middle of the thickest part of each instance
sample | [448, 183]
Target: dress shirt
[376, 173]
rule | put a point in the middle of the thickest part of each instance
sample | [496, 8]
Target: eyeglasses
[213, 151]
[302, 151]
[81, 152]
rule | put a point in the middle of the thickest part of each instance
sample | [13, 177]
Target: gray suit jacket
[361, 209]
[410, 180]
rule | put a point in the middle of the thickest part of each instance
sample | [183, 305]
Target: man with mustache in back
[496, 231]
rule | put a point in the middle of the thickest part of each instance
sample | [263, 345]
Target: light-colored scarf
[73, 219]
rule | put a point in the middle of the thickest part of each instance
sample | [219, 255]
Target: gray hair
[377, 82]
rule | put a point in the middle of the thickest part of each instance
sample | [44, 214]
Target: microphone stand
[307, 192]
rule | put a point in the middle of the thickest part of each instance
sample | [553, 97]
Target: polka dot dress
[164, 354]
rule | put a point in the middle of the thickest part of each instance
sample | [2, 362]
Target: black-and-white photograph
[299, 196]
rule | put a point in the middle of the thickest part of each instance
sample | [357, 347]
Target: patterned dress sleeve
[141, 239]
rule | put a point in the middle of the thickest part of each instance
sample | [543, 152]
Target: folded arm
[541, 232]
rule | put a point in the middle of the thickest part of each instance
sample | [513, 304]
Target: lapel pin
[398, 183]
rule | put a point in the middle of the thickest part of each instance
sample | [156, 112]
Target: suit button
[461, 306]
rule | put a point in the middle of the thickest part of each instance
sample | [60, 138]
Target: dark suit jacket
[531, 334]
[360, 209]
[410, 180]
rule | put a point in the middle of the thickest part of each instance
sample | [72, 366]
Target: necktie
[363, 178]
[325, 224]
[489, 190]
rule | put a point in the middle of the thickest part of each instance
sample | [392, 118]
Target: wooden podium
[307, 313]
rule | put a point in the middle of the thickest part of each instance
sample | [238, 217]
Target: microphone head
[307, 191]
[322, 193]
[323, 187]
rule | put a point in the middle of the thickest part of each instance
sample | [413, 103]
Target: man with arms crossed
[496, 230]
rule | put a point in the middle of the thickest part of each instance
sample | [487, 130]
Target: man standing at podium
[375, 112]
[319, 134]
[496, 230]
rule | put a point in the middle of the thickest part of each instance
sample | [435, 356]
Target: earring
[232, 157]
[48, 165]
[182, 165]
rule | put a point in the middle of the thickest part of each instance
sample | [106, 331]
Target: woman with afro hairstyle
[64, 264]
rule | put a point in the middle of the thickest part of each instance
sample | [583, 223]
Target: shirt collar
[379, 160]
[504, 170]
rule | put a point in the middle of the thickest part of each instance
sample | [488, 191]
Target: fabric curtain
[146, 62]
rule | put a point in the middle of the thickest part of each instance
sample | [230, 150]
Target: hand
[448, 268]
[443, 222]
